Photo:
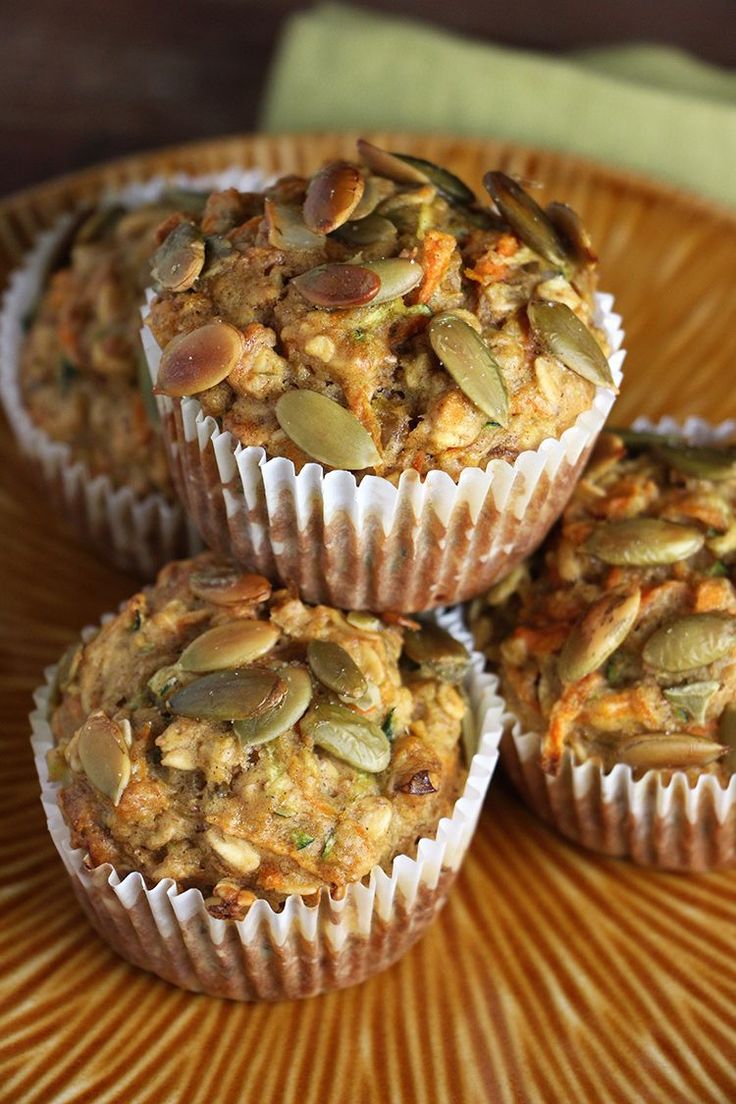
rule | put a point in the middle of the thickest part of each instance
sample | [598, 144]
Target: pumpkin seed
[226, 586]
[526, 218]
[179, 259]
[693, 698]
[326, 431]
[348, 736]
[501, 591]
[336, 669]
[398, 275]
[230, 645]
[255, 731]
[471, 364]
[597, 635]
[364, 622]
[338, 285]
[332, 196]
[375, 191]
[391, 165]
[700, 461]
[572, 233]
[662, 751]
[287, 229]
[640, 542]
[371, 230]
[447, 184]
[563, 335]
[202, 358]
[437, 652]
[641, 439]
[695, 640]
[102, 753]
[231, 695]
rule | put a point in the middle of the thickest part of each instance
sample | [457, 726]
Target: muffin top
[83, 375]
[618, 640]
[378, 318]
[246, 744]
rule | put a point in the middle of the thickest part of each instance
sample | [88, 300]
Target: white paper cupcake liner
[301, 950]
[137, 534]
[373, 545]
[668, 824]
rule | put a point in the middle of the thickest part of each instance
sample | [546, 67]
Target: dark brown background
[86, 80]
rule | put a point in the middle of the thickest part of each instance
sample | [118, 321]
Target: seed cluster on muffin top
[618, 640]
[83, 375]
[241, 742]
[379, 318]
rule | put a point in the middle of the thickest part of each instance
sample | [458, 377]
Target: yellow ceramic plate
[552, 975]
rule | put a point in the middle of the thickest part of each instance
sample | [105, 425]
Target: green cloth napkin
[648, 108]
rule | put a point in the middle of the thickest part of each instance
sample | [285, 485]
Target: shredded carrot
[564, 712]
[507, 245]
[434, 256]
[714, 594]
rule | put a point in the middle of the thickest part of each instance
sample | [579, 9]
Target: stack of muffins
[376, 395]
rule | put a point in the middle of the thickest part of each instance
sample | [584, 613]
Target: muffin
[616, 649]
[373, 386]
[273, 766]
[76, 386]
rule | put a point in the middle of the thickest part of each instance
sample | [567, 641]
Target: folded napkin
[648, 108]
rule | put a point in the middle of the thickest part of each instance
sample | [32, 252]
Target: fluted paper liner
[668, 824]
[138, 534]
[370, 544]
[301, 950]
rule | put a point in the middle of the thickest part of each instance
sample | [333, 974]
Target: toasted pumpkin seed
[371, 230]
[348, 736]
[639, 542]
[326, 431]
[571, 231]
[194, 361]
[695, 640]
[700, 461]
[333, 194]
[662, 751]
[471, 364]
[563, 335]
[226, 586]
[447, 184]
[231, 695]
[525, 217]
[255, 731]
[230, 645]
[179, 259]
[641, 439]
[596, 636]
[692, 698]
[336, 669]
[375, 191]
[398, 275]
[103, 755]
[336, 286]
[437, 652]
[287, 229]
[391, 165]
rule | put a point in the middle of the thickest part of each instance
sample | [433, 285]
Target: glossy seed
[103, 755]
[336, 669]
[326, 431]
[348, 736]
[693, 698]
[371, 230]
[375, 191]
[561, 333]
[390, 165]
[571, 231]
[525, 217]
[179, 259]
[398, 276]
[662, 751]
[230, 645]
[335, 286]
[700, 461]
[332, 196]
[695, 640]
[287, 229]
[194, 361]
[596, 636]
[641, 542]
[446, 183]
[226, 586]
[641, 439]
[261, 730]
[437, 652]
[471, 364]
[232, 695]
